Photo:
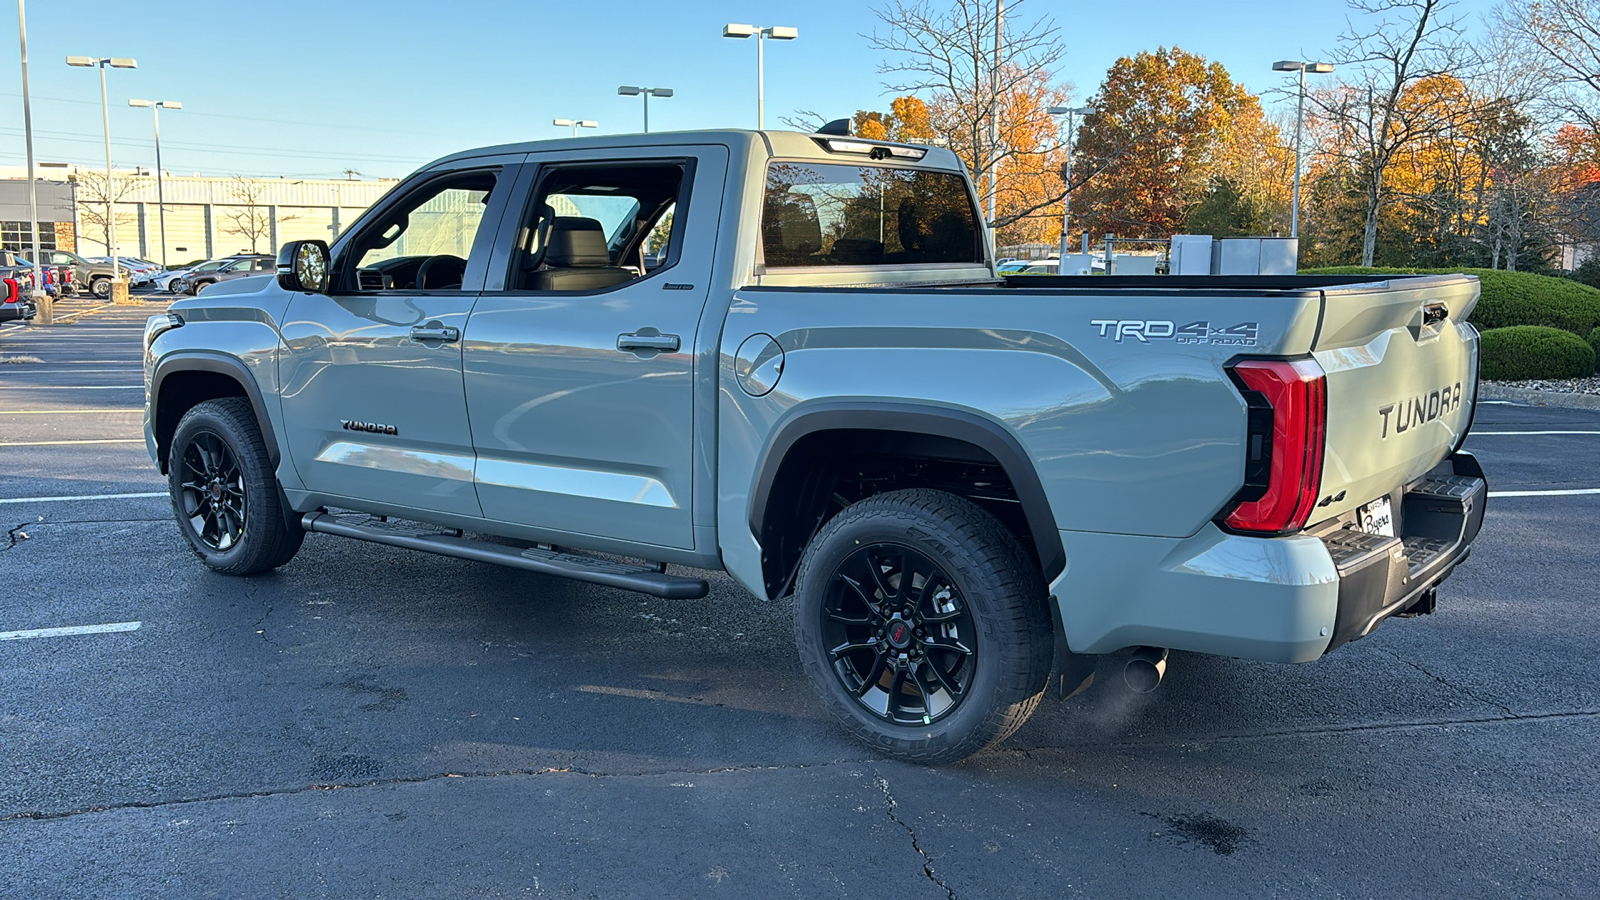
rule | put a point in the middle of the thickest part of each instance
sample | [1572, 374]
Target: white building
[207, 216]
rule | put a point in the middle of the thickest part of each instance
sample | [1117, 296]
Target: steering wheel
[444, 267]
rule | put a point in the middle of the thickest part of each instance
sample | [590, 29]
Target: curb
[1492, 391]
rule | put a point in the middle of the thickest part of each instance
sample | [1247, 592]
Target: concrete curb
[1492, 391]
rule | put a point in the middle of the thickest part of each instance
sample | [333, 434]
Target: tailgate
[1402, 370]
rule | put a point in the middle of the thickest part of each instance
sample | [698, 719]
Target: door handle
[647, 339]
[435, 332]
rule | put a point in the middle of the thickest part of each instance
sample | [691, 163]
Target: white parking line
[65, 443]
[110, 628]
[69, 412]
[82, 497]
[71, 387]
[1505, 433]
[1567, 493]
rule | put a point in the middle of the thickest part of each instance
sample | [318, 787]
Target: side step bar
[418, 536]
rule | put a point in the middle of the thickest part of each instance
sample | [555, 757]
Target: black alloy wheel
[899, 635]
[921, 622]
[212, 494]
[225, 496]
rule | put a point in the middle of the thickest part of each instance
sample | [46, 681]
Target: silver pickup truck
[788, 357]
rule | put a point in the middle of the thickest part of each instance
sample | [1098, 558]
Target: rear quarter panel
[1134, 429]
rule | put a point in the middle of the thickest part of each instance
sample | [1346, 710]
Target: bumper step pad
[1381, 576]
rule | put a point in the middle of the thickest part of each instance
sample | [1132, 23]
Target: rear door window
[826, 214]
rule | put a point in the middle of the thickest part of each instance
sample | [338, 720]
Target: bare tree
[1564, 36]
[1396, 45]
[92, 193]
[249, 218]
[979, 85]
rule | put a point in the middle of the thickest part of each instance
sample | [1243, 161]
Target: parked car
[16, 298]
[167, 281]
[55, 277]
[139, 271]
[964, 484]
[238, 267]
[87, 275]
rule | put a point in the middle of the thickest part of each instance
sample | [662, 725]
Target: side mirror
[303, 266]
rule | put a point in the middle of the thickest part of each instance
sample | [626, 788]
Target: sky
[310, 89]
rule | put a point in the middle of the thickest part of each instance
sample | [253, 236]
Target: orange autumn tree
[1166, 125]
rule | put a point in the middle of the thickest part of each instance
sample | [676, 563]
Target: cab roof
[785, 144]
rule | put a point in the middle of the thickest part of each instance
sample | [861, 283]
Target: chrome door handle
[432, 332]
[648, 339]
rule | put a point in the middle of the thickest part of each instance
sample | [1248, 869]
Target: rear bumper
[1288, 599]
[1379, 577]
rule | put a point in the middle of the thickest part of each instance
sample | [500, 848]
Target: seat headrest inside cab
[576, 242]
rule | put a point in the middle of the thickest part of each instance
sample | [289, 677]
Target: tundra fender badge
[371, 427]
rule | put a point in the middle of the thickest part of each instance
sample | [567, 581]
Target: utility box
[1255, 256]
[1191, 254]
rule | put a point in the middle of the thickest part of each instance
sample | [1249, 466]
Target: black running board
[418, 536]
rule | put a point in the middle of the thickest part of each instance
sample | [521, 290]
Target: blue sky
[307, 89]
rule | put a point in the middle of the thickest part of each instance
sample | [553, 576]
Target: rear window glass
[841, 215]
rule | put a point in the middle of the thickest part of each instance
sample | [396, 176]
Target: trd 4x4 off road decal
[1146, 330]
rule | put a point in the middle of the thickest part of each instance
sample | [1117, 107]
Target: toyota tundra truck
[629, 359]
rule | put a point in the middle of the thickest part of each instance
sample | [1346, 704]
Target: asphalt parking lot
[369, 722]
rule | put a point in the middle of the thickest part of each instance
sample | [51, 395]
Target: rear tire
[921, 623]
[224, 493]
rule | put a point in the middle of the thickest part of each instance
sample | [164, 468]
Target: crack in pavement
[251, 589]
[1510, 713]
[44, 816]
[11, 536]
[889, 807]
[1357, 728]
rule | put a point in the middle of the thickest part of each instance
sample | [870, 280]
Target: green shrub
[1513, 298]
[1594, 341]
[1534, 351]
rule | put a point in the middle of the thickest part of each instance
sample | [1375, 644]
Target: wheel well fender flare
[188, 361]
[984, 433]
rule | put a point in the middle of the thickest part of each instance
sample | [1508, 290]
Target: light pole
[1315, 68]
[629, 90]
[46, 314]
[1066, 179]
[761, 33]
[105, 117]
[156, 106]
[576, 124]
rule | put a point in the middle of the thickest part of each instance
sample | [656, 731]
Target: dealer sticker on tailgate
[1377, 517]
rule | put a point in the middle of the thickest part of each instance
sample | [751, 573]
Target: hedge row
[1522, 352]
[1513, 298]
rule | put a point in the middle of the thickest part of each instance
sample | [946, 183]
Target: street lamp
[46, 312]
[1066, 179]
[1315, 68]
[777, 33]
[156, 106]
[105, 117]
[629, 90]
[576, 124]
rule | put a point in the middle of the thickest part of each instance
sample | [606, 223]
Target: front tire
[921, 623]
[101, 288]
[224, 494]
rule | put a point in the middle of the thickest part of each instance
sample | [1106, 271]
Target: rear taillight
[11, 290]
[1285, 436]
